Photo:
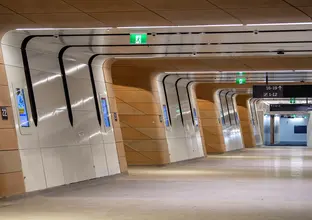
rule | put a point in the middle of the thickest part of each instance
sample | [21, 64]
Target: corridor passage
[264, 183]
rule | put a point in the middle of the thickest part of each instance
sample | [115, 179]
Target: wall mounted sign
[195, 117]
[290, 107]
[22, 108]
[105, 112]
[138, 38]
[4, 113]
[282, 91]
[166, 115]
[115, 116]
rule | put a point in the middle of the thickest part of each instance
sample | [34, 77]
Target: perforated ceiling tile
[249, 3]
[130, 18]
[64, 20]
[262, 63]
[176, 4]
[307, 10]
[38, 6]
[269, 15]
[194, 17]
[106, 5]
[300, 3]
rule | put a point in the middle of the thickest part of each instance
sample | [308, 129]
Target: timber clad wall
[11, 176]
[246, 126]
[208, 116]
[113, 110]
[139, 110]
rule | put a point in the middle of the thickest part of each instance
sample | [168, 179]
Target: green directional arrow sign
[241, 81]
[138, 38]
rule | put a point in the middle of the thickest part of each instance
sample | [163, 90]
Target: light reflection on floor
[253, 184]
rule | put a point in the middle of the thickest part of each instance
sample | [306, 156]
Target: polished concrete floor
[266, 184]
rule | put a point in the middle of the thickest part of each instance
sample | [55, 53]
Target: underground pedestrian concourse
[155, 110]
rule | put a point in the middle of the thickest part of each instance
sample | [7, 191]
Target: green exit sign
[292, 101]
[241, 81]
[138, 38]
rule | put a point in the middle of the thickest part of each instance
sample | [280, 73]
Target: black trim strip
[235, 113]
[222, 112]
[227, 105]
[65, 85]
[28, 79]
[189, 100]
[166, 97]
[179, 102]
[95, 96]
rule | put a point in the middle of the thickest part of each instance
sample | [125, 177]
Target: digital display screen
[105, 112]
[195, 117]
[22, 109]
[166, 115]
[300, 129]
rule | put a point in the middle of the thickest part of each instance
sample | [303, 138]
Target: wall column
[115, 116]
[141, 120]
[245, 122]
[11, 176]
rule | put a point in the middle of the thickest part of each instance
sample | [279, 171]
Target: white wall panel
[33, 169]
[100, 160]
[55, 150]
[112, 159]
[53, 166]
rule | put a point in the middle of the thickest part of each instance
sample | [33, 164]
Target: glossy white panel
[33, 169]
[177, 149]
[112, 159]
[53, 166]
[100, 160]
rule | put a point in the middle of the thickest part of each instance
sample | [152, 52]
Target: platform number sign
[4, 113]
[138, 38]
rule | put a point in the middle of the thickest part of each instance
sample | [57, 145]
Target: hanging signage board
[290, 107]
[282, 91]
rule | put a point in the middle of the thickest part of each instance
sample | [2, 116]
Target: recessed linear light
[54, 29]
[279, 24]
[247, 71]
[181, 26]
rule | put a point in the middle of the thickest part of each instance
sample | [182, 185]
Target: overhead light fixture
[280, 24]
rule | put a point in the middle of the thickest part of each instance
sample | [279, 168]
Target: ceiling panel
[176, 4]
[64, 19]
[300, 3]
[189, 17]
[105, 5]
[262, 64]
[269, 15]
[38, 6]
[13, 19]
[129, 18]
[307, 10]
[249, 3]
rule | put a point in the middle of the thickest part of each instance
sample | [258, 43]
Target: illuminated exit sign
[241, 81]
[138, 38]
